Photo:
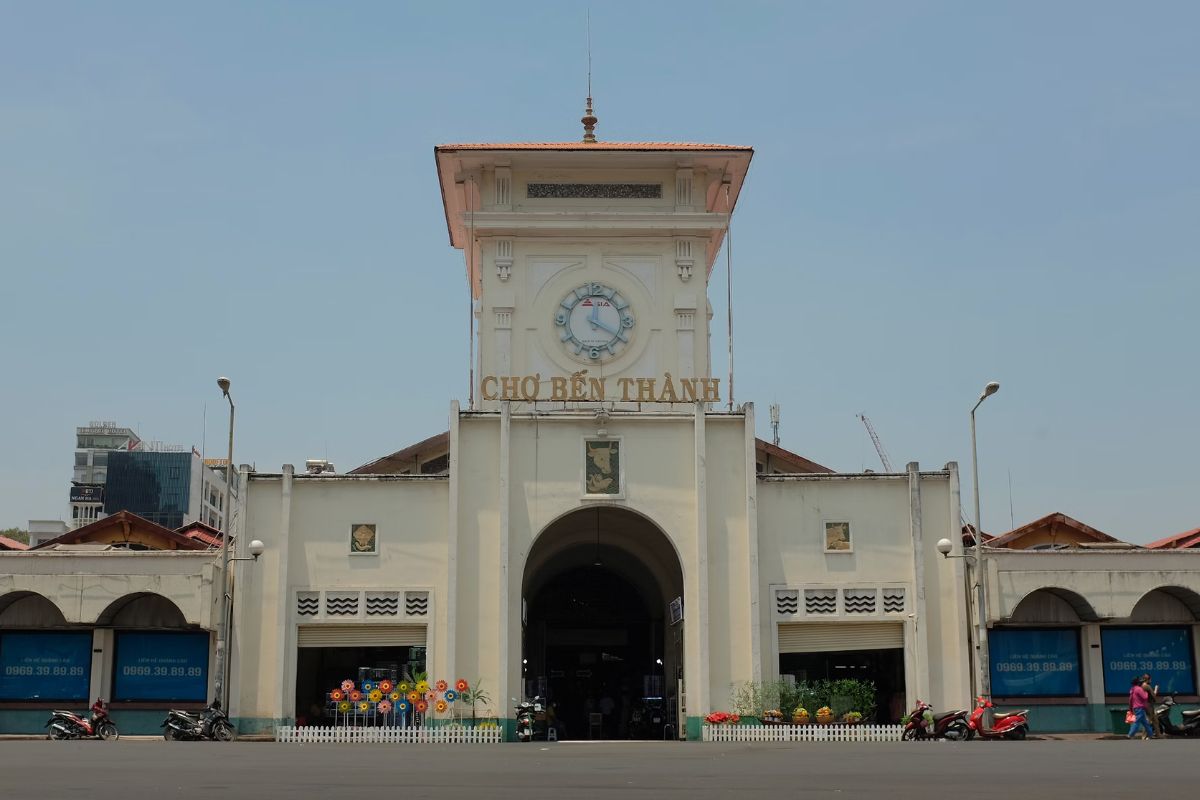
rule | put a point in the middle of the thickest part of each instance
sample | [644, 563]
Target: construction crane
[883, 456]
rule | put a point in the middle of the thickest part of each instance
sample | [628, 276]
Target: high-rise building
[170, 488]
[93, 445]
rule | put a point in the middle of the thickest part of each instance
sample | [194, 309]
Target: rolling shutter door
[824, 637]
[360, 635]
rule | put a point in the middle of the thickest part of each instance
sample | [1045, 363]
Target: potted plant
[800, 716]
[772, 717]
[852, 718]
[824, 715]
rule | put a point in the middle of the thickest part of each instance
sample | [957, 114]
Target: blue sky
[942, 194]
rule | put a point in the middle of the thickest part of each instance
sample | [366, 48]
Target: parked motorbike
[211, 724]
[1191, 719]
[924, 724]
[531, 719]
[68, 725]
[1005, 725]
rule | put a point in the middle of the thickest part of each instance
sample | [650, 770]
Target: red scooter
[1010, 725]
[69, 725]
[924, 724]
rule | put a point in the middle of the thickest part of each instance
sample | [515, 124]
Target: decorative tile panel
[308, 604]
[341, 604]
[858, 601]
[416, 604]
[383, 604]
[787, 601]
[893, 600]
[820, 601]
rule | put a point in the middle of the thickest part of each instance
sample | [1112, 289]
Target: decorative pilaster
[502, 189]
[684, 262]
[684, 189]
[504, 258]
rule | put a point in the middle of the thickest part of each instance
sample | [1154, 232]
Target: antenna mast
[883, 456]
[775, 424]
[589, 118]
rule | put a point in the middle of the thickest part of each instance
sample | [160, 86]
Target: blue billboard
[1040, 662]
[161, 666]
[1165, 653]
[45, 666]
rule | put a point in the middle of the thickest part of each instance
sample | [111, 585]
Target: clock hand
[597, 322]
[595, 317]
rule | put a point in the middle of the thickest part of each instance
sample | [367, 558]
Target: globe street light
[982, 660]
[220, 690]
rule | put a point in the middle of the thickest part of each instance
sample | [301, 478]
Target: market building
[599, 520]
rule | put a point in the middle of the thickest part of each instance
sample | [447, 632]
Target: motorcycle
[1191, 719]
[531, 719]
[1005, 725]
[924, 724]
[211, 724]
[68, 725]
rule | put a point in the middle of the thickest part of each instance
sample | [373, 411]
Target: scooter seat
[1006, 714]
[944, 714]
[1190, 714]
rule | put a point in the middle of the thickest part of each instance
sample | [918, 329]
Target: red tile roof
[12, 544]
[668, 146]
[207, 535]
[1055, 518]
[1180, 541]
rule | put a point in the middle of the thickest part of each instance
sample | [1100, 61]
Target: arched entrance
[598, 642]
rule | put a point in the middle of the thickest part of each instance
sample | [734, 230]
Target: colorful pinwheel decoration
[364, 707]
[386, 686]
[403, 706]
[441, 686]
[404, 687]
[461, 685]
[347, 686]
[375, 696]
[344, 707]
[384, 707]
[451, 695]
[355, 696]
[422, 706]
[441, 706]
[414, 696]
[337, 695]
[367, 686]
[394, 696]
[422, 686]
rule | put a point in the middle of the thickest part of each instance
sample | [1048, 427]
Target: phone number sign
[45, 666]
[161, 666]
[1035, 663]
[1164, 653]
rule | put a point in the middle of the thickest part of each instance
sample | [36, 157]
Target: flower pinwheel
[422, 686]
[450, 695]
[403, 687]
[355, 696]
[375, 696]
[364, 707]
[347, 685]
[344, 707]
[414, 696]
[367, 686]
[386, 686]
[394, 696]
[402, 706]
[441, 706]
[441, 686]
[461, 685]
[422, 706]
[385, 707]
[337, 695]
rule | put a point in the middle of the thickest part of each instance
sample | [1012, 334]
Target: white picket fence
[802, 733]
[316, 734]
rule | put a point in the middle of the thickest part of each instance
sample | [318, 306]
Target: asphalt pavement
[149, 770]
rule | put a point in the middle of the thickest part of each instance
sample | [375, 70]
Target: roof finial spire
[589, 119]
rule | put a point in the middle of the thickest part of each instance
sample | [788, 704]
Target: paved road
[148, 770]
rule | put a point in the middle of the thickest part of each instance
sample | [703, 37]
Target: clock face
[594, 322]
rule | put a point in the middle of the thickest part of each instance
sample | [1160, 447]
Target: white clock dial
[594, 322]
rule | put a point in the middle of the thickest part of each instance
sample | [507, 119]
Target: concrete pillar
[504, 623]
[285, 642]
[920, 627]
[755, 621]
[695, 608]
[443, 663]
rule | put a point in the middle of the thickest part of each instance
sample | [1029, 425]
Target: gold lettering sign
[582, 388]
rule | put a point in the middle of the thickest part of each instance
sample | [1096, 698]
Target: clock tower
[588, 264]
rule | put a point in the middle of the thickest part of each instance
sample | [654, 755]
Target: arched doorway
[598, 642]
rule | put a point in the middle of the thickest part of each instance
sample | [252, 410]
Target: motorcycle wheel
[108, 732]
[1016, 734]
[58, 734]
[223, 732]
[961, 730]
[909, 735]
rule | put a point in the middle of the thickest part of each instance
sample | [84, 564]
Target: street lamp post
[982, 663]
[220, 690]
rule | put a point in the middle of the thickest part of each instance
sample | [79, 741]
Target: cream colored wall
[307, 548]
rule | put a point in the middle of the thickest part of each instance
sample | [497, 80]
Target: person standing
[1152, 707]
[1138, 700]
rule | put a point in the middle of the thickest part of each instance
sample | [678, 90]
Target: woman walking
[1139, 701]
